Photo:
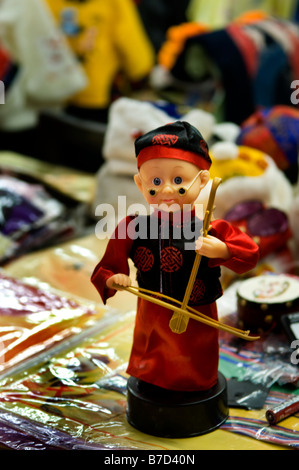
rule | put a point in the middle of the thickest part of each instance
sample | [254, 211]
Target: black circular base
[166, 413]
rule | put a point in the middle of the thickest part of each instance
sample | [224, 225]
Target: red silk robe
[181, 362]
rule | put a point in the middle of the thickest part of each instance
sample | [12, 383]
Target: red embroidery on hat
[171, 259]
[143, 259]
[165, 139]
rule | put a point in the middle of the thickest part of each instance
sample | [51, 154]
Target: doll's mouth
[168, 201]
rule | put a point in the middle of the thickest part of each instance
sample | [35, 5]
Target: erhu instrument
[182, 312]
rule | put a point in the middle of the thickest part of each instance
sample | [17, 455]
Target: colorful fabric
[222, 50]
[275, 131]
[255, 59]
[175, 42]
[247, 46]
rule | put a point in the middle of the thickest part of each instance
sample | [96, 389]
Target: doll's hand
[211, 247]
[119, 279]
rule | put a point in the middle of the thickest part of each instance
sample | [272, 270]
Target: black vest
[163, 254]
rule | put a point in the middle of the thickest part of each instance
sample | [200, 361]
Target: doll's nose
[168, 189]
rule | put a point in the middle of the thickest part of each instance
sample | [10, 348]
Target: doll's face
[171, 183]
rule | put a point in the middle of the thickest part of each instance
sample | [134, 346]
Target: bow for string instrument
[181, 311]
[179, 321]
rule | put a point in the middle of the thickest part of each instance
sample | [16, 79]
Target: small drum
[262, 300]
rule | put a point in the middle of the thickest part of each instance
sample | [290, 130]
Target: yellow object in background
[107, 37]
[218, 13]
[248, 162]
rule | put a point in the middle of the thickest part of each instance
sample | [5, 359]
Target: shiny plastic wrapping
[76, 399]
[34, 320]
[264, 379]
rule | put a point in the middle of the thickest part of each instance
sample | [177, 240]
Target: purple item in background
[243, 210]
[268, 222]
[16, 212]
[260, 221]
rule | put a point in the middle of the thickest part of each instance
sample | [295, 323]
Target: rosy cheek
[150, 199]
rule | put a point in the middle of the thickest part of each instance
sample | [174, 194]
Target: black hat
[178, 140]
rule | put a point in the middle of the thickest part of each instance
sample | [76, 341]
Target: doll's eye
[157, 181]
[177, 180]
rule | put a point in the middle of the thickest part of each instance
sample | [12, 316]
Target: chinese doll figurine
[173, 167]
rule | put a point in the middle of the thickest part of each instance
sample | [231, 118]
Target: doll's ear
[205, 178]
[138, 182]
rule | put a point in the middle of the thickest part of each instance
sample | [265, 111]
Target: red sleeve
[115, 259]
[244, 251]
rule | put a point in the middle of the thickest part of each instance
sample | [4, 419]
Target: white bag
[49, 73]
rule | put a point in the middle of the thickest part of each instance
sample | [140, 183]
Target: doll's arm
[212, 247]
[243, 251]
[114, 265]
